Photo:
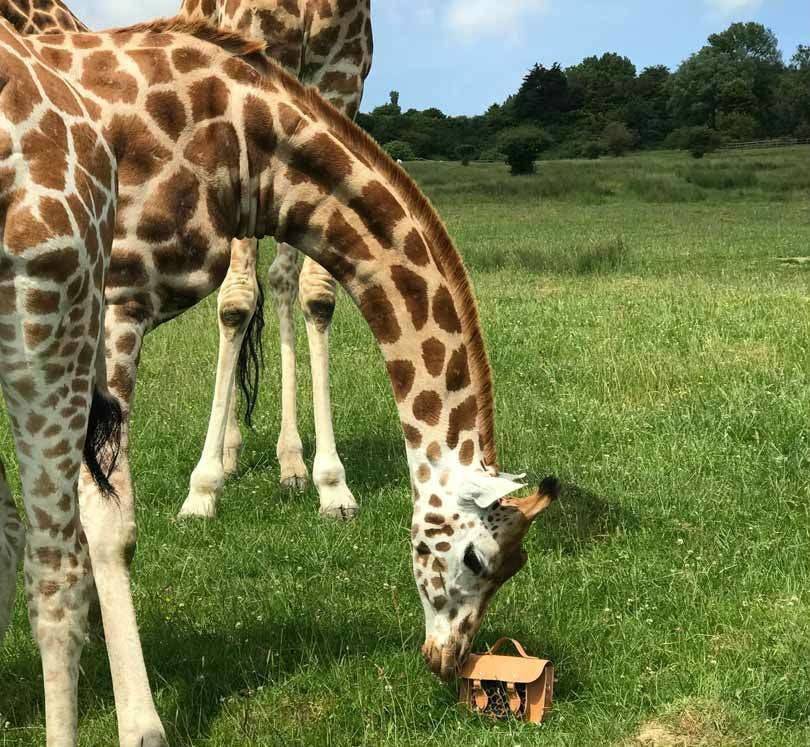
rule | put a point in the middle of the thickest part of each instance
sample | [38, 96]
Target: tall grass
[665, 177]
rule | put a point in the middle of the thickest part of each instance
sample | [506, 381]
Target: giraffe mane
[231, 42]
[440, 245]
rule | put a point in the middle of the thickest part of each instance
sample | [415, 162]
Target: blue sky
[463, 55]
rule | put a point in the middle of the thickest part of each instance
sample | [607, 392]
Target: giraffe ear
[484, 489]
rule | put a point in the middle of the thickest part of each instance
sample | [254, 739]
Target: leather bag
[507, 686]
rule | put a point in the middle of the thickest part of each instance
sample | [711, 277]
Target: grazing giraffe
[328, 44]
[57, 209]
[214, 141]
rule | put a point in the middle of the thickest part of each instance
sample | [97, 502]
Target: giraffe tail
[251, 359]
[103, 440]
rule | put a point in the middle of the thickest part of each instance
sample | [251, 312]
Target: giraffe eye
[471, 561]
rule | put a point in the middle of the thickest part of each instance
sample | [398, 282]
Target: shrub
[803, 131]
[697, 140]
[592, 150]
[703, 140]
[521, 146]
[465, 153]
[399, 150]
[618, 139]
[491, 155]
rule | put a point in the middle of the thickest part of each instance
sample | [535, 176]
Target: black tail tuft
[103, 440]
[251, 359]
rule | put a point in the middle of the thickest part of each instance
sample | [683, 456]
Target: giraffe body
[213, 142]
[327, 44]
[57, 208]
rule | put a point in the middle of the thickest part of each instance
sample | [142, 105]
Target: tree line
[737, 87]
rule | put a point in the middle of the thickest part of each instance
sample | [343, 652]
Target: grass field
[649, 349]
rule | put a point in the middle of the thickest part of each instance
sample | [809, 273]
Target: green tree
[647, 111]
[521, 146]
[400, 150]
[602, 84]
[544, 95]
[708, 83]
[754, 50]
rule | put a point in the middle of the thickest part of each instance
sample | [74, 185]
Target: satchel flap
[515, 669]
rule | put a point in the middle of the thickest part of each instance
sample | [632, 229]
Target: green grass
[649, 349]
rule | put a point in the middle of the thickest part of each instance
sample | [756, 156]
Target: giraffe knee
[319, 312]
[317, 293]
[237, 304]
[235, 317]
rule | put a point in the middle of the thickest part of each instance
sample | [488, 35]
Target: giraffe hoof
[152, 738]
[337, 502]
[294, 475]
[295, 483]
[340, 513]
[199, 505]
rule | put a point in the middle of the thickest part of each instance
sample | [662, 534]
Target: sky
[463, 55]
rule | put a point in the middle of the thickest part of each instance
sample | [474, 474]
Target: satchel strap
[514, 698]
[517, 646]
[479, 696]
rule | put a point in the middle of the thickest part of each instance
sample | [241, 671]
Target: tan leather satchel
[507, 686]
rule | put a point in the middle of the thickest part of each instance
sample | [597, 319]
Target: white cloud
[728, 7]
[474, 18]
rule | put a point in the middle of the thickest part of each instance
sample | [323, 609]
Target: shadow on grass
[197, 671]
[361, 454]
[580, 519]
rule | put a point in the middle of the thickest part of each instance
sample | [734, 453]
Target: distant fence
[782, 142]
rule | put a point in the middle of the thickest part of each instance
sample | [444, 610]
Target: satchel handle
[517, 646]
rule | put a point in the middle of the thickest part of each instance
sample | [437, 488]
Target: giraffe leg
[283, 282]
[317, 293]
[236, 305]
[233, 437]
[12, 540]
[111, 534]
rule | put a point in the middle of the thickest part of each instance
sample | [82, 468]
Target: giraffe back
[324, 43]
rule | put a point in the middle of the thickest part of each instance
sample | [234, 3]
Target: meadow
[649, 348]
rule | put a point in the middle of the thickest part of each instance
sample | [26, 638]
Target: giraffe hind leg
[283, 282]
[317, 293]
[236, 305]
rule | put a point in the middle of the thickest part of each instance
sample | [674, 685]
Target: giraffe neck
[323, 186]
[39, 16]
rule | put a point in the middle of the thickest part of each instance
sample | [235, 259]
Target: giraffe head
[467, 542]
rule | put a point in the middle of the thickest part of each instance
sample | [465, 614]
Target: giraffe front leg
[12, 541]
[236, 305]
[317, 292]
[111, 535]
[283, 282]
[233, 437]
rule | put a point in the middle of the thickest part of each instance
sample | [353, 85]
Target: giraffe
[39, 16]
[214, 141]
[328, 44]
[57, 209]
